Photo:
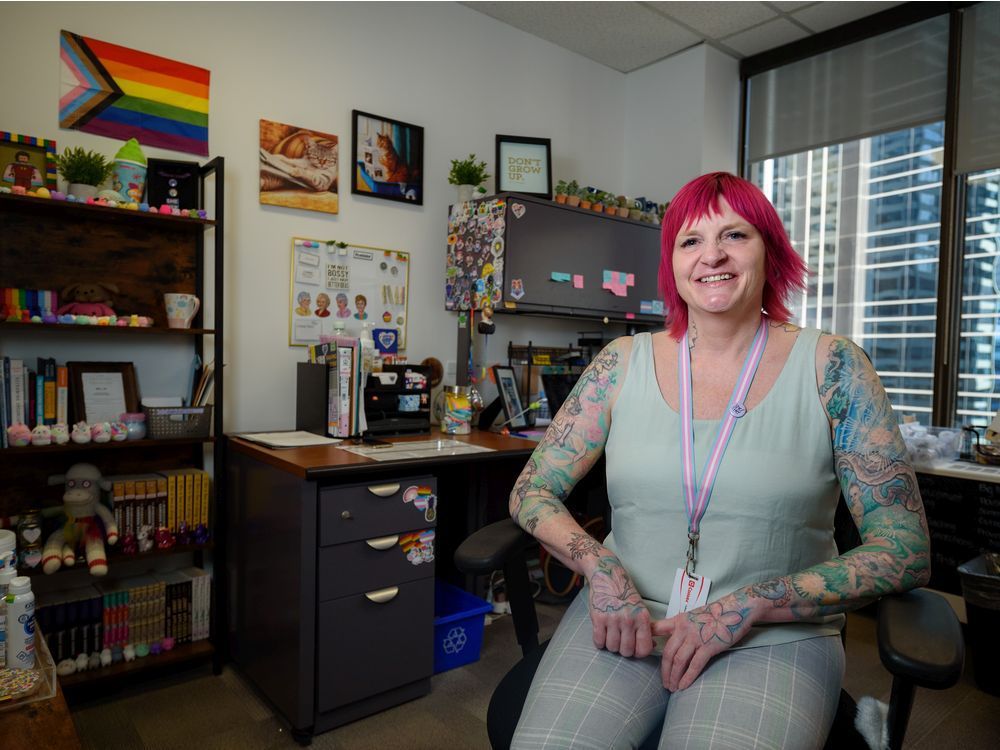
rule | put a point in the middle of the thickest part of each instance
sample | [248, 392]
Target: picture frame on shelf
[387, 158]
[510, 399]
[101, 391]
[27, 161]
[524, 165]
[173, 183]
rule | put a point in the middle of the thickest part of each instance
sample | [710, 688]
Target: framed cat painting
[388, 158]
[298, 167]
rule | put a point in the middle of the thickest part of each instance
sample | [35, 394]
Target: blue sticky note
[559, 276]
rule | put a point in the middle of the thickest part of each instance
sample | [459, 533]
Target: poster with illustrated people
[334, 283]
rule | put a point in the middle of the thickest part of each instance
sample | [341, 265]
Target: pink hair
[784, 270]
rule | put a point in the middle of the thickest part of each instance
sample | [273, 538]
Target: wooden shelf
[73, 210]
[115, 556]
[188, 654]
[41, 450]
[75, 330]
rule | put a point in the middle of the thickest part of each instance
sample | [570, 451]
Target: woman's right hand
[619, 617]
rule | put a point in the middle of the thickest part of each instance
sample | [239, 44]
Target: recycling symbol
[455, 641]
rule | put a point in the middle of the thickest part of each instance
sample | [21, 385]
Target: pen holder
[173, 422]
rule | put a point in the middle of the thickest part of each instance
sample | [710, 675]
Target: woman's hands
[619, 617]
[695, 637]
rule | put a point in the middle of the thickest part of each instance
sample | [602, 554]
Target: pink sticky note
[630, 280]
[577, 281]
[629, 316]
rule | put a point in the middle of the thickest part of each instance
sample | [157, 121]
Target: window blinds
[978, 144]
[889, 82]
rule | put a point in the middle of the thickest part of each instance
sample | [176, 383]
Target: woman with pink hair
[715, 605]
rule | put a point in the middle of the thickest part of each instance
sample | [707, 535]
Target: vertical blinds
[978, 141]
[889, 82]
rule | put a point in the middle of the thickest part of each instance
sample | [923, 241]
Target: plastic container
[928, 445]
[459, 619]
[5, 578]
[20, 624]
[981, 591]
[135, 425]
[8, 550]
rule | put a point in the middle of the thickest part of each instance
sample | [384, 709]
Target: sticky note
[629, 316]
[559, 276]
[618, 282]
[577, 281]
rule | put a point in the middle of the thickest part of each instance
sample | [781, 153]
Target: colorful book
[62, 394]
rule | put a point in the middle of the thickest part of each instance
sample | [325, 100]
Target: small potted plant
[561, 191]
[573, 194]
[586, 198]
[621, 206]
[83, 170]
[469, 175]
[598, 202]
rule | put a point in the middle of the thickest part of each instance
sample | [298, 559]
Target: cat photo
[298, 167]
[388, 159]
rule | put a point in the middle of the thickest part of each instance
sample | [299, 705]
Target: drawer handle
[382, 595]
[383, 542]
[384, 490]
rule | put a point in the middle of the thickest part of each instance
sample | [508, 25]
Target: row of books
[143, 609]
[345, 404]
[32, 397]
[164, 499]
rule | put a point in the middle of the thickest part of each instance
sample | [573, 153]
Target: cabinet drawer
[364, 511]
[370, 564]
[365, 648]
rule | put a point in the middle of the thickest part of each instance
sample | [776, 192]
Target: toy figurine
[93, 298]
[66, 667]
[60, 433]
[200, 534]
[100, 432]
[82, 660]
[84, 518]
[106, 657]
[129, 652]
[183, 533]
[18, 435]
[80, 433]
[145, 537]
[119, 431]
[168, 643]
[486, 324]
[41, 435]
[164, 538]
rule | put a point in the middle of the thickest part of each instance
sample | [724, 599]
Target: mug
[181, 309]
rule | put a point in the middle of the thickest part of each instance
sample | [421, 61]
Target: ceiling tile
[823, 16]
[717, 19]
[623, 36]
[788, 7]
[767, 36]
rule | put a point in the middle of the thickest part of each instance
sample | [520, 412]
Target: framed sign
[101, 391]
[513, 412]
[524, 165]
[174, 183]
[27, 162]
[387, 158]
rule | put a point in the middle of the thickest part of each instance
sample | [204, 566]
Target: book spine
[16, 407]
[4, 402]
[36, 386]
[344, 366]
[189, 499]
[196, 503]
[47, 368]
[62, 395]
[206, 485]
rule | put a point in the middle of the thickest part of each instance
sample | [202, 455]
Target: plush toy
[100, 432]
[18, 435]
[41, 435]
[80, 433]
[60, 433]
[82, 505]
[92, 298]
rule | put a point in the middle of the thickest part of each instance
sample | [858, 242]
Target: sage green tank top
[771, 512]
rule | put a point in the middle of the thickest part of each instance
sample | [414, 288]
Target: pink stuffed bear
[93, 298]
[82, 506]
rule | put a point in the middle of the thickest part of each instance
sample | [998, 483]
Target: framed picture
[101, 391]
[524, 165]
[173, 183]
[27, 162]
[299, 167]
[507, 385]
[387, 158]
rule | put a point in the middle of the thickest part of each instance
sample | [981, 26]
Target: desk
[42, 724]
[327, 616]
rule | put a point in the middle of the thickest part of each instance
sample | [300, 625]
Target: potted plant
[635, 210]
[586, 198]
[83, 170]
[621, 206]
[598, 202]
[573, 194]
[561, 191]
[469, 175]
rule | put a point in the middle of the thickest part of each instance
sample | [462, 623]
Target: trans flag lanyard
[691, 590]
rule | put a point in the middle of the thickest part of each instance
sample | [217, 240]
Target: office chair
[919, 640]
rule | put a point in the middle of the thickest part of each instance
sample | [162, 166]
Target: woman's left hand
[695, 637]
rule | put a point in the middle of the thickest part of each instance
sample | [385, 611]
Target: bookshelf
[47, 244]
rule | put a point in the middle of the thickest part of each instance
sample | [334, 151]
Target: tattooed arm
[881, 492]
[571, 446]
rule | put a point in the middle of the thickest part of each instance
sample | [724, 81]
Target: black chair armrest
[489, 548]
[920, 639]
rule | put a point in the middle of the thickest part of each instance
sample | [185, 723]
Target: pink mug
[181, 309]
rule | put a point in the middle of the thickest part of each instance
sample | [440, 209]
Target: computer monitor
[557, 389]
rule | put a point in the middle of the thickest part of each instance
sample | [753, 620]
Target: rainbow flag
[123, 93]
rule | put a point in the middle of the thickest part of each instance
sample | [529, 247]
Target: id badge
[689, 592]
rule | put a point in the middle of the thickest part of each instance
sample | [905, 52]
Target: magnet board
[337, 281]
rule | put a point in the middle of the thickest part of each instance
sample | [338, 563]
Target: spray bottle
[6, 576]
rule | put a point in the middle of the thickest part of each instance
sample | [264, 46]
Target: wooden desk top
[328, 461]
[42, 724]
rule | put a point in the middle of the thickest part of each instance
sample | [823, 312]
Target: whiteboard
[337, 281]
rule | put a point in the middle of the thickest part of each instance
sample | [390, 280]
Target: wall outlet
[449, 370]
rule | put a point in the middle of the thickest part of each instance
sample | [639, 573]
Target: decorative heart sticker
[31, 535]
[517, 209]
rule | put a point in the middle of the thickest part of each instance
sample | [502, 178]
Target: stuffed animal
[91, 298]
[60, 433]
[80, 433]
[82, 505]
[100, 432]
[18, 435]
[41, 435]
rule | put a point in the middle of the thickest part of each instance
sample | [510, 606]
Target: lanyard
[696, 496]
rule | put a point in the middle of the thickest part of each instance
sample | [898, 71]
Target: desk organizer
[459, 619]
[165, 422]
[44, 668]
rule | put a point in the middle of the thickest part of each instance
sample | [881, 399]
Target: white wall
[461, 75]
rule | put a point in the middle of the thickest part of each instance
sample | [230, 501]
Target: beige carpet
[200, 711]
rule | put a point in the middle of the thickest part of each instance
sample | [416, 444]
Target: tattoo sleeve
[572, 444]
[881, 492]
